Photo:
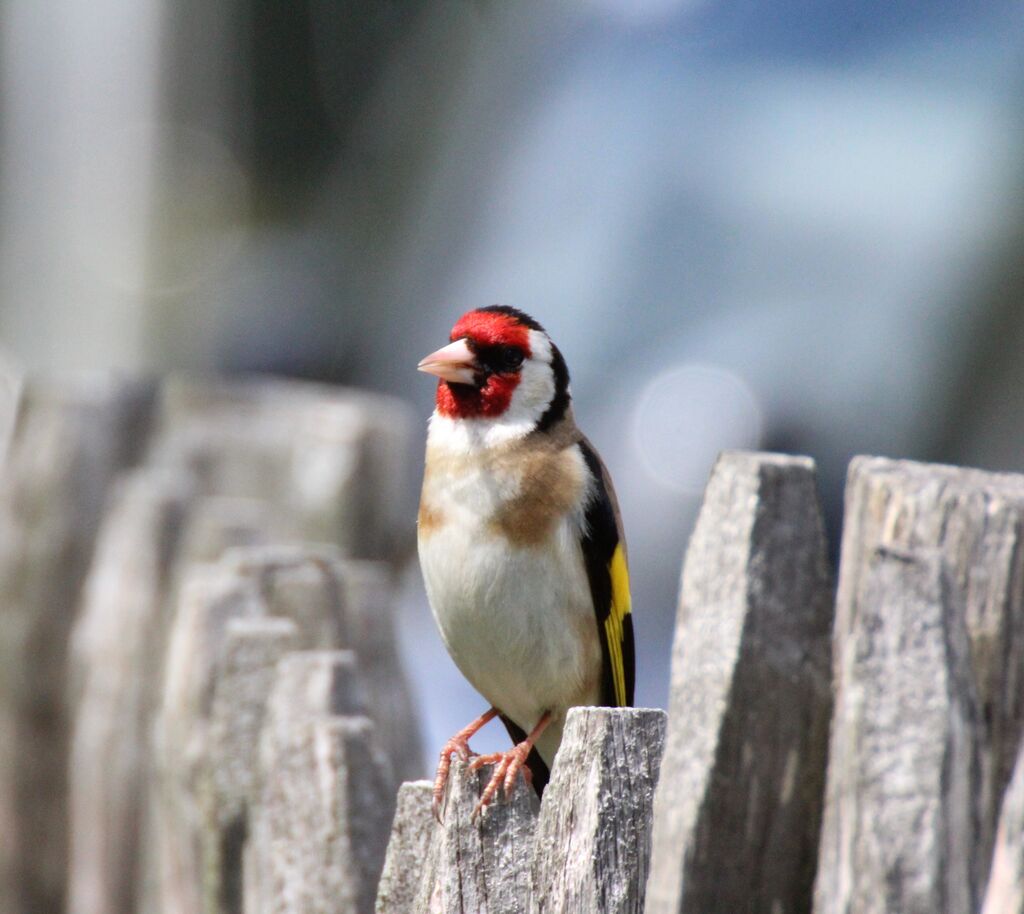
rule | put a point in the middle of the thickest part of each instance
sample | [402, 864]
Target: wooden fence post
[308, 686]
[974, 522]
[899, 831]
[584, 849]
[324, 795]
[218, 464]
[738, 805]
[305, 587]
[370, 631]
[115, 655]
[1005, 891]
[241, 683]
[336, 459]
[593, 839]
[241, 718]
[411, 832]
[340, 602]
[483, 864]
[71, 438]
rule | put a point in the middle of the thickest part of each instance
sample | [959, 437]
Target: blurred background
[771, 224]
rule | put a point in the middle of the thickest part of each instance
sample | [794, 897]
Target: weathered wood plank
[242, 683]
[336, 459]
[900, 829]
[302, 583]
[228, 464]
[411, 832]
[370, 614]
[71, 439]
[325, 797]
[115, 658]
[976, 520]
[309, 686]
[483, 864]
[737, 810]
[1005, 891]
[214, 524]
[349, 473]
[209, 600]
[119, 646]
[296, 585]
[593, 838]
[361, 793]
[344, 603]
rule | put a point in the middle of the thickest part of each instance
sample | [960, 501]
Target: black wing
[604, 552]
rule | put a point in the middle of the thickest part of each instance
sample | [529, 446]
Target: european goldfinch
[520, 543]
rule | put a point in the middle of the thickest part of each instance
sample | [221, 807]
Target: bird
[521, 546]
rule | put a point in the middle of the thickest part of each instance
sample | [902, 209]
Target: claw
[457, 745]
[507, 765]
[494, 758]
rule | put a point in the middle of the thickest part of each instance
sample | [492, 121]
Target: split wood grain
[738, 807]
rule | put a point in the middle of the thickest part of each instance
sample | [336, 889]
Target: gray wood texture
[899, 833]
[213, 706]
[370, 620]
[339, 602]
[119, 646]
[71, 439]
[411, 832]
[325, 796]
[586, 848]
[1004, 893]
[976, 520]
[309, 686]
[593, 838]
[973, 521]
[115, 659]
[232, 713]
[738, 806]
[483, 864]
[216, 465]
[211, 597]
[242, 683]
[334, 458]
[216, 474]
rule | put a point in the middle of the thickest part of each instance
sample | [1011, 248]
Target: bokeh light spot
[686, 416]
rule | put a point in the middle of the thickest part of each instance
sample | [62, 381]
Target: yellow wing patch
[621, 607]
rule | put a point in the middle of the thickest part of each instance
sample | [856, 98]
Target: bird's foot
[506, 766]
[457, 745]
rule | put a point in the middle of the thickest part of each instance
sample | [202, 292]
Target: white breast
[517, 620]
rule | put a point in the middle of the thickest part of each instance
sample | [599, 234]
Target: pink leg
[457, 745]
[507, 765]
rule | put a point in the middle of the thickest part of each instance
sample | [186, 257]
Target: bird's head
[500, 366]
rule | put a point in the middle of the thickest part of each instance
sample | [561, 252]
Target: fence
[202, 708]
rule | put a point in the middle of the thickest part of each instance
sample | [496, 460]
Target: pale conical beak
[455, 363]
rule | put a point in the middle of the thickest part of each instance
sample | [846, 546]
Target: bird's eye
[510, 357]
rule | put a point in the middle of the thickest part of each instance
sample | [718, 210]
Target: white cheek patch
[536, 388]
[530, 400]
